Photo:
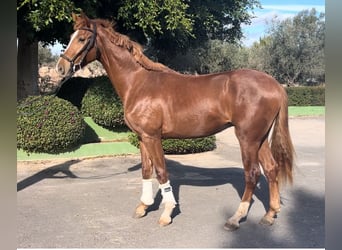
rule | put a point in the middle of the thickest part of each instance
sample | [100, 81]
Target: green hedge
[306, 96]
[182, 146]
[48, 124]
[103, 105]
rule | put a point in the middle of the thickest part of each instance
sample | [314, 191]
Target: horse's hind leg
[249, 152]
[271, 171]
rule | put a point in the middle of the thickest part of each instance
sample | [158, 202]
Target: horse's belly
[192, 127]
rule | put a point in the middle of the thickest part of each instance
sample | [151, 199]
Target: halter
[85, 49]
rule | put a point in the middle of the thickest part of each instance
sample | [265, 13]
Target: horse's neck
[121, 69]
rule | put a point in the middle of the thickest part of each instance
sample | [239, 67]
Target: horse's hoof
[139, 215]
[267, 221]
[229, 226]
[164, 221]
[165, 218]
[140, 211]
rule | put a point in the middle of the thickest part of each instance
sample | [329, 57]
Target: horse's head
[81, 49]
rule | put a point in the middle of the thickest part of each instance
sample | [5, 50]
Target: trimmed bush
[182, 146]
[48, 124]
[306, 96]
[103, 105]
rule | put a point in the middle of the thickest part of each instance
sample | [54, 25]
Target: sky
[282, 9]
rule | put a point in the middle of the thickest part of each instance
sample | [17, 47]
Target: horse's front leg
[153, 157]
[169, 203]
[146, 198]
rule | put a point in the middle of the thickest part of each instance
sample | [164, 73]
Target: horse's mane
[134, 48]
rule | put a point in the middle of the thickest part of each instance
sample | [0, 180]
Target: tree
[213, 56]
[294, 50]
[35, 23]
[167, 26]
[212, 20]
[45, 56]
[259, 56]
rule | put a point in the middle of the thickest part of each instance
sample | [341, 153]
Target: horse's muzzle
[62, 68]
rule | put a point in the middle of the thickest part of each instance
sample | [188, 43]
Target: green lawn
[100, 141]
[307, 111]
[96, 133]
[86, 150]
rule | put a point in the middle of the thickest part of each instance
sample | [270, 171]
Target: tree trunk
[27, 68]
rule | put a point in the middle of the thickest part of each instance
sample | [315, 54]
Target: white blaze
[72, 38]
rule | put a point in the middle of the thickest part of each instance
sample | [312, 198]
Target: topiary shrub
[48, 124]
[103, 105]
[182, 146]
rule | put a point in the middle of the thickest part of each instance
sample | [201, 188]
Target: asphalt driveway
[88, 203]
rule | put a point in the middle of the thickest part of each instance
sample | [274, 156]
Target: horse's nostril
[61, 70]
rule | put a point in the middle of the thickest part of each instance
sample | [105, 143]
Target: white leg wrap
[166, 191]
[147, 192]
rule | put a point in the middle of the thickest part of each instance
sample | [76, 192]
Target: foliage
[43, 13]
[49, 20]
[102, 104]
[182, 146]
[221, 20]
[302, 51]
[293, 52]
[259, 56]
[175, 24]
[45, 56]
[212, 20]
[214, 56]
[306, 96]
[161, 15]
[47, 124]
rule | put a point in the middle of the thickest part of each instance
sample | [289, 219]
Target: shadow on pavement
[304, 226]
[180, 175]
[48, 173]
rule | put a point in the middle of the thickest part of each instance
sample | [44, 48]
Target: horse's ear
[74, 17]
[81, 19]
[85, 18]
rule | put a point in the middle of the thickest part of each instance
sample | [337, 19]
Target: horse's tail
[281, 146]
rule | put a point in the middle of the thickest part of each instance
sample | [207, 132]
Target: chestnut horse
[161, 103]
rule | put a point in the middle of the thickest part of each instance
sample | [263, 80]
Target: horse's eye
[81, 39]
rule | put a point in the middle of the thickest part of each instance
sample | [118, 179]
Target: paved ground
[89, 203]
